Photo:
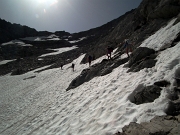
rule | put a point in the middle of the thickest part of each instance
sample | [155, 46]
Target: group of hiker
[126, 45]
[90, 58]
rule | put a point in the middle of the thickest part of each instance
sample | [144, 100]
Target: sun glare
[41, 1]
[47, 2]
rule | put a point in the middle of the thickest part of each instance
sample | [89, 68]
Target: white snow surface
[42, 38]
[38, 103]
[59, 50]
[6, 61]
[17, 42]
[75, 41]
[163, 38]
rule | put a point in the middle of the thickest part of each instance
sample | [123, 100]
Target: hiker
[109, 51]
[89, 60]
[61, 66]
[128, 46]
[73, 66]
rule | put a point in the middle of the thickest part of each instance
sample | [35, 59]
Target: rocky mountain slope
[136, 25]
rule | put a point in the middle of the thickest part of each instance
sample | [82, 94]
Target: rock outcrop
[141, 58]
[145, 94]
[164, 125]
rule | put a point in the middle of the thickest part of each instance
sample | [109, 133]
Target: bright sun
[43, 1]
[48, 2]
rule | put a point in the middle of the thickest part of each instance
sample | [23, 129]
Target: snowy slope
[60, 50]
[38, 104]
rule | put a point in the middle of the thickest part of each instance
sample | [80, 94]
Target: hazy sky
[69, 15]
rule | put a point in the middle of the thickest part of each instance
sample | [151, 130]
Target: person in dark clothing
[61, 66]
[89, 60]
[109, 51]
[73, 66]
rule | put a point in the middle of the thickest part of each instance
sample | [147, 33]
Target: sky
[37, 103]
[64, 15]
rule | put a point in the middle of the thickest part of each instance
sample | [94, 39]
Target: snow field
[41, 105]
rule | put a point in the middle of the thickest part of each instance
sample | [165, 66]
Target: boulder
[173, 108]
[162, 83]
[145, 94]
[139, 54]
[149, 63]
[160, 125]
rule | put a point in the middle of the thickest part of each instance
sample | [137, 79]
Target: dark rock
[162, 83]
[149, 63]
[139, 54]
[177, 77]
[177, 89]
[145, 94]
[173, 96]
[134, 129]
[160, 125]
[173, 109]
